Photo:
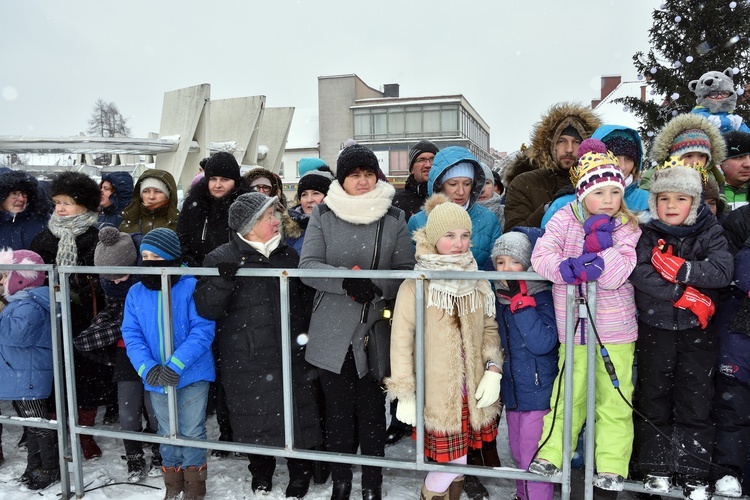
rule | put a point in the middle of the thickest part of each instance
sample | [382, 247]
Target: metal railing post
[589, 436]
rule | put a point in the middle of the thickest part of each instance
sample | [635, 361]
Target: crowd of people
[668, 253]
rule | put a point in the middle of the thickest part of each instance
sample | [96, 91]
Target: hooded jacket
[452, 347]
[18, 230]
[139, 219]
[122, 195]
[204, 221]
[485, 226]
[26, 346]
[664, 139]
[534, 177]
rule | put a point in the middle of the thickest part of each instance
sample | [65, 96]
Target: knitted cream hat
[442, 216]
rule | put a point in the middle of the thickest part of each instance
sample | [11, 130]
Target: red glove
[521, 299]
[697, 303]
[665, 263]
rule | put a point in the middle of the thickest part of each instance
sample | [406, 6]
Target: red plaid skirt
[446, 447]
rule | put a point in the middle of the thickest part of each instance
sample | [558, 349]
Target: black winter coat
[411, 199]
[248, 333]
[711, 270]
[203, 223]
[93, 380]
[737, 227]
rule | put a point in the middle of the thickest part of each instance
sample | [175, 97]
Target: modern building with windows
[389, 124]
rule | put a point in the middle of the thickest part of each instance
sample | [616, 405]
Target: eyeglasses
[18, 194]
[422, 161]
[262, 187]
[719, 94]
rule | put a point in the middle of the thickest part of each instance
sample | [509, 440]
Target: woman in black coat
[248, 334]
[70, 239]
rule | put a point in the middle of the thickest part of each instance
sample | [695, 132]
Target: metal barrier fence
[63, 357]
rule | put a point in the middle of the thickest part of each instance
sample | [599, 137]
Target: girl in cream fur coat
[462, 349]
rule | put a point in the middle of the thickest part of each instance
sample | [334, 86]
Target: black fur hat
[82, 188]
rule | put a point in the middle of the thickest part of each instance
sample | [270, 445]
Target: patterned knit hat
[423, 146]
[676, 177]
[692, 140]
[20, 280]
[442, 216]
[223, 164]
[163, 242]
[247, 209]
[623, 143]
[514, 244]
[114, 249]
[596, 168]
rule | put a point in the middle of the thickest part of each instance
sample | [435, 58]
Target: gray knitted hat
[514, 244]
[677, 179]
[114, 249]
[247, 209]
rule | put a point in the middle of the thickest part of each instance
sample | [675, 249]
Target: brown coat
[445, 339]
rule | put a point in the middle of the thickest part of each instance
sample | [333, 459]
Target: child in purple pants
[526, 321]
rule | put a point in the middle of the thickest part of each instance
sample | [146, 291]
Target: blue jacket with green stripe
[143, 333]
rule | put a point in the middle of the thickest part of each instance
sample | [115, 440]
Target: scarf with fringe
[466, 295]
[361, 209]
[67, 229]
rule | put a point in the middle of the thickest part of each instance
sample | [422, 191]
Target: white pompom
[689, 59]
[677, 19]
[653, 70]
[732, 5]
[675, 96]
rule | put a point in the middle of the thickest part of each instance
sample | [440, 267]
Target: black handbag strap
[378, 243]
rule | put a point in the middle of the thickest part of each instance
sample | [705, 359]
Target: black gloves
[514, 287]
[162, 375]
[168, 377]
[362, 290]
[228, 270]
[152, 378]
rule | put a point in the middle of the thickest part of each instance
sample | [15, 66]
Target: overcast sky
[510, 59]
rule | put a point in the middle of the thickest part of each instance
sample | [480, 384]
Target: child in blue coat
[526, 321]
[189, 369]
[26, 370]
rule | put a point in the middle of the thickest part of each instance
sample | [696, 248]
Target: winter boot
[431, 495]
[490, 458]
[372, 493]
[33, 459]
[455, 489]
[155, 469]
[111, 414]
[300, 473]
[87, 417]
[42, 478]
[473, 488]
[656, 482]
[696, 489]
[341, 490]
[174, 481]
[136, 467]
[195, 482]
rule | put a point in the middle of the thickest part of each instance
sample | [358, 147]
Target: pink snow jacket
[615, 297]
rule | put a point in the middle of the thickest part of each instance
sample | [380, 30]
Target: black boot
[372, 493]
[341, 490]
[42, 478]
[300, 473]
[474, 489]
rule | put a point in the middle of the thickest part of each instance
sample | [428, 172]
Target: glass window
[399, 161]
[431, 119]
[379, 123]
[396, 123]
[449, 120]
[362, 124]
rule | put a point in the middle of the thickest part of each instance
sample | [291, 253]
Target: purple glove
[588, 267]
[598, 230]
[567, 273]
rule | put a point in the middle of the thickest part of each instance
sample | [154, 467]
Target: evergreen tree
[689, 38]
[106, 121]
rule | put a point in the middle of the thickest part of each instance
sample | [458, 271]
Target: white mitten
[406, 410]
[488, 390]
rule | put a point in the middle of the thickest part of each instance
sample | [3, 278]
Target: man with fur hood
[542, 170]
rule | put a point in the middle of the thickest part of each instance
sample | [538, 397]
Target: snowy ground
[228, 478]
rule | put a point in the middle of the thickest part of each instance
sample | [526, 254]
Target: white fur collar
[362, 209]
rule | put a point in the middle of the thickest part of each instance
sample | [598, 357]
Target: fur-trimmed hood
[547, 130]
[16, 180]
[664, 139]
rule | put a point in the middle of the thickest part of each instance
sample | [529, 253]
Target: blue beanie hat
[307, 164]
[460, 169]
[163, 242]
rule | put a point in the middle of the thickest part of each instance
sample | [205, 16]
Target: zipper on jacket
[205, 228]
